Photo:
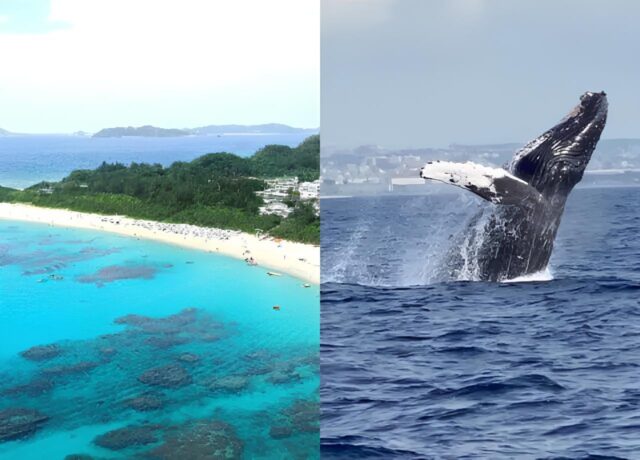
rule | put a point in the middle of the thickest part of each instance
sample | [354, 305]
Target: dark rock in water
[166, 341]
[280, 432]
[69, 369]
[304, 415]
[18, 423]
[170, 325]
[128, 436]
[209, 338]
[79, 457]
[201, 440]
[108, 351]
[259, 355]
[145, 403]
[133, 320]
[188, 358]
[312, 359]
[282, 376]
[35, 387]
[170, 376]
[229, 383]
[118, 273]
[258, 370]
[41, 352]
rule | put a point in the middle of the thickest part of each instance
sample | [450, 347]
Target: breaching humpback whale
[515, 237]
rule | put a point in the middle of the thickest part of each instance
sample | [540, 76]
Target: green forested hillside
[215, 190]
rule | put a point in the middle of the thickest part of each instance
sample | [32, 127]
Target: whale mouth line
[587, 118]
[572, 142]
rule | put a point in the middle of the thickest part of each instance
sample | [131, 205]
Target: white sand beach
[296, 259]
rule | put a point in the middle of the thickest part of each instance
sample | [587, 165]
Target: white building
[282, 185]
[279, 209]
[278, 190]
[309, 190]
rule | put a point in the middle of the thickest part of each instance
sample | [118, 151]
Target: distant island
[142, 131]
[4, 132]
[269, 128]
[152, 131]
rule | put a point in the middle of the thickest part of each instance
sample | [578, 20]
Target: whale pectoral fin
[493, 184]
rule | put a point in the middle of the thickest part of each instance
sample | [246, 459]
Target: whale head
[554, 162]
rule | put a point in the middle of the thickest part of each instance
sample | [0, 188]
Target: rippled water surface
[418, 368]
[121, 348]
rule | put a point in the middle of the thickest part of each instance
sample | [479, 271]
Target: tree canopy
[216, 189]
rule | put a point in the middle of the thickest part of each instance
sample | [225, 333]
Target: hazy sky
[416, 73]
[68, 65]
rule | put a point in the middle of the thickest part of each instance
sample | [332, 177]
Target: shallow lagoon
[205, 354]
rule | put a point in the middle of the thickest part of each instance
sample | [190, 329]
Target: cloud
[27, 17]
[355, 14]
[128, 53]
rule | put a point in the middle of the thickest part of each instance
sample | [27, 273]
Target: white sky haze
[427, 73]
[68, 65]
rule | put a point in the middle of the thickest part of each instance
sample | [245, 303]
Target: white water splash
[542, 275]
[414, 240]
[446, 232]
[470, 247]
[344, 268]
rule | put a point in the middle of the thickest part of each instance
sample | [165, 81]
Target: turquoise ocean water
[150, 350]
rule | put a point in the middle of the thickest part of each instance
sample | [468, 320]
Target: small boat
[306, 285]
[276, 307]
[274, 274]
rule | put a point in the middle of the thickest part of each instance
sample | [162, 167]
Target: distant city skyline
[85, 65]
[413, 74]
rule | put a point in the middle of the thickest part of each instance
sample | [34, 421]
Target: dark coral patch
[41, 352]
[114, 273]
[145, 402]
[169, 376]
[202, 440]
[35, 387]
[188, 358]
[166, 341]
[19, 423]
[228, 384]
[129, 436]
[70, 369]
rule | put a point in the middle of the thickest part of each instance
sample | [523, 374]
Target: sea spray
[396, 240]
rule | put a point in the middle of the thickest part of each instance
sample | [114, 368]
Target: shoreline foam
[296, 259]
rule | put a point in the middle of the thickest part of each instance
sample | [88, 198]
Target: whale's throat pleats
[528, 163]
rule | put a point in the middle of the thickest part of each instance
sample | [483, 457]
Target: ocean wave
[464, 369]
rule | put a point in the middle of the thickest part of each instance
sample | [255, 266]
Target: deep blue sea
[115, 347]
[26, 160]
[417, 368]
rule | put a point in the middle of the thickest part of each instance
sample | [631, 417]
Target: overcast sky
[416, 73]
[68, 65]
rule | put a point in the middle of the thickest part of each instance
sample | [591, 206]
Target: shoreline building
[280, 189]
